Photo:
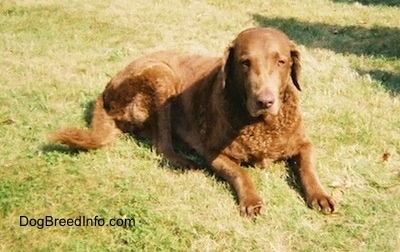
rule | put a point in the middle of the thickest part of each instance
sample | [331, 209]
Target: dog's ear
[227, 63]
[296, 66]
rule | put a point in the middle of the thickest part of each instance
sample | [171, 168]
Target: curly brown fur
[242, 108]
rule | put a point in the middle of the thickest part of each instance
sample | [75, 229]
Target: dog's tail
[103, 130]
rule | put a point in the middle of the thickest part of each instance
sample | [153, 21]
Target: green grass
[57, 57]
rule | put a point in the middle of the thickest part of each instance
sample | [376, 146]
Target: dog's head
[260, 63]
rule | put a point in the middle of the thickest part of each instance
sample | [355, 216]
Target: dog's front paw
[251, 206]
[322, 202]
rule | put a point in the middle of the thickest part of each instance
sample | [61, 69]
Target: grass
[57, 57]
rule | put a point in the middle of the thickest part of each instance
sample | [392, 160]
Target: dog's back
[134, 96]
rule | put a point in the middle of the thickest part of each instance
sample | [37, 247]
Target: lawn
[57, 56]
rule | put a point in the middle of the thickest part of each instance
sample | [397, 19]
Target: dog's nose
[265, 100]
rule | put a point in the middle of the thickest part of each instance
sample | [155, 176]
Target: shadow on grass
[377, 41]
[371, 2]
[54, 147]
[390, 81]
[293, 178]
[88, 112]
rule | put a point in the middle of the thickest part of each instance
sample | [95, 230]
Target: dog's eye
[281, 62]
[245, 63]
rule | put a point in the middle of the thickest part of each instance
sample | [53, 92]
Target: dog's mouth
[271, 111]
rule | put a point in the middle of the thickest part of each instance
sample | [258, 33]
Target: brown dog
[238, 109]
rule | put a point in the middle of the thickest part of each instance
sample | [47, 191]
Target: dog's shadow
[88, 112]
[293, 178]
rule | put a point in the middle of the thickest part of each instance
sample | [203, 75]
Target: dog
[241, 108]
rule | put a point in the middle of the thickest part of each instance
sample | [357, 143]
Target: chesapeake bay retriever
[242, 108]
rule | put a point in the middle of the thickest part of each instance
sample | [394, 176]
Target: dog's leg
[163, 138]
[249, 201]
[315, 194]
